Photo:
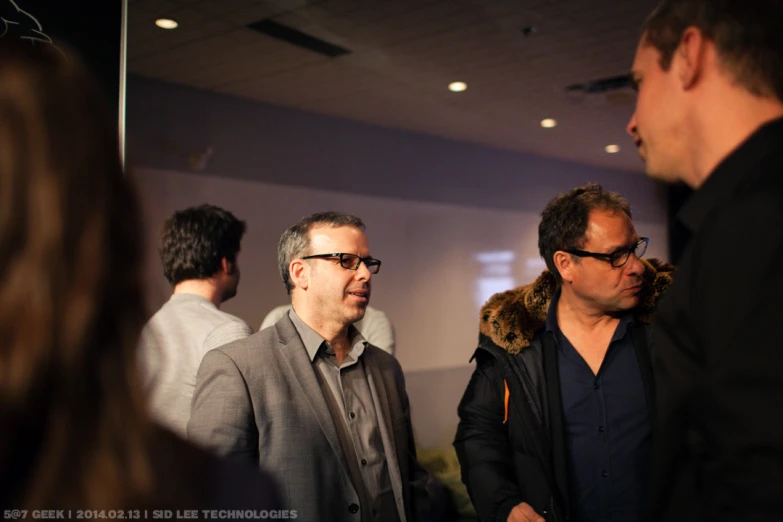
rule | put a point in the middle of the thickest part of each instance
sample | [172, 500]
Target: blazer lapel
[302, 372]
[381, 402]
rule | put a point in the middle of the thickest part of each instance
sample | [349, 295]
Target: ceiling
[404, 53]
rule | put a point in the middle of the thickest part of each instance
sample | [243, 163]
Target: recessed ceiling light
[548, 123]
[457, 86]
[612, 149]
[166, 23]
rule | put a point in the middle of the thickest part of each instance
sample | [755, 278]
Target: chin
[661, 173]
[653, 173]
[624, 304]
[630, 303]
[358, 315]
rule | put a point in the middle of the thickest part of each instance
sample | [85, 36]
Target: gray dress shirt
[375, 326]
[347, 393]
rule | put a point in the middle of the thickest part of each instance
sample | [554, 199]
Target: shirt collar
[729, 176]
[626, 320]
[551, 314]
[313, 341]
[184, 296]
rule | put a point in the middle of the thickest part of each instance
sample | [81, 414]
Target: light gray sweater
[172, 345]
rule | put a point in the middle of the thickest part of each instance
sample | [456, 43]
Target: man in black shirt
[710, 80]
[555, 422]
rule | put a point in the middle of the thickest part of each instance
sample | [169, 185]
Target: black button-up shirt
[718, 358]
[607, 426]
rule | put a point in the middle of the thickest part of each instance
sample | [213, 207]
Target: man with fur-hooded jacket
[555, 423]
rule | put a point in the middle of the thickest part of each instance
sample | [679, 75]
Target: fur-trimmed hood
[511, 319]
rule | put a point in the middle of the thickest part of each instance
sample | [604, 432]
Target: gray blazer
[259, 398]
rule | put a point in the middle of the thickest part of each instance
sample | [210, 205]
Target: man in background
[199, 247]
[708, 114]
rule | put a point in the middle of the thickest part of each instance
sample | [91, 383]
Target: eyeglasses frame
[609, 257]
[365, 260]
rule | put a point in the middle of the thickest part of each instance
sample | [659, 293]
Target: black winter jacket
[510, 441]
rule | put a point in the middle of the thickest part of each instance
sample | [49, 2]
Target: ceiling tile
[404, 54]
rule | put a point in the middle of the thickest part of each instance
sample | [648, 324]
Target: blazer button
[353, 509]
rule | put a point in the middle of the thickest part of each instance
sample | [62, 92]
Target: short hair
[295, 241]
[564, 220]
[195, 240]
[748, 36]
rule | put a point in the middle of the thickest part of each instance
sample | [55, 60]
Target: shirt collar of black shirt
[730, 175]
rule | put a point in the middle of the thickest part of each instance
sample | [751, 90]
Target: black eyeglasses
[619, 257]
[351, 261]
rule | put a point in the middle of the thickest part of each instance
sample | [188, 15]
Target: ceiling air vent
[298, 38]
[601, 86]
[615, 90]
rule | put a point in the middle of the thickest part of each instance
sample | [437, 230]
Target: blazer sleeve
[221, 417]
[483, 446]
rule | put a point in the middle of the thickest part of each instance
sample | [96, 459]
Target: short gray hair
[295, 242]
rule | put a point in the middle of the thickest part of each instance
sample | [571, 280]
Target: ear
[227, 266]
[565, 265]
[299, 271]
[690, 57]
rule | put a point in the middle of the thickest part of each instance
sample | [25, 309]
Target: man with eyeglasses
[555, 423]
[309, 399]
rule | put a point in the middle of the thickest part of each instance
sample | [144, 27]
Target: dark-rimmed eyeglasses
[351, 261]
[617, 258]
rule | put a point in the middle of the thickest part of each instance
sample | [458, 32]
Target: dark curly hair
[748, 37]
[195, 240]
[564, 220]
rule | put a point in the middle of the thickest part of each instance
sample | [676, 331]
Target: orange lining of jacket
[505, 402]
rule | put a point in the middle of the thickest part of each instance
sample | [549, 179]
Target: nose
[363, 273]
[634, 266]
[631, 127]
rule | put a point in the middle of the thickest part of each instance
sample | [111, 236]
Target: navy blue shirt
[607, 428]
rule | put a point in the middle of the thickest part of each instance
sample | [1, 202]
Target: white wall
[430, 276]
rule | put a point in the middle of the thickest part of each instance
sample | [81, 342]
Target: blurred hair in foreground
[74, 431]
